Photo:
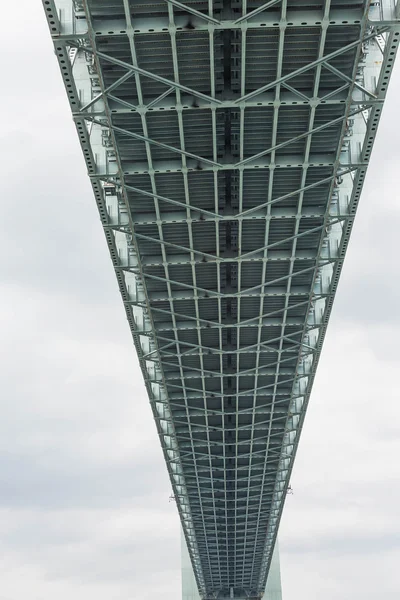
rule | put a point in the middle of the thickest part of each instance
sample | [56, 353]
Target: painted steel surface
[227, 143]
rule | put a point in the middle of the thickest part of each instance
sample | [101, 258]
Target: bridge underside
[227, 144]
[273, 590]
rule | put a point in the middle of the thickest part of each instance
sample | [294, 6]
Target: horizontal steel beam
[175, 166]
[229, 256]
[191, 325]
[151, 26]
[182, 217]
[266, 99]
[296, 290]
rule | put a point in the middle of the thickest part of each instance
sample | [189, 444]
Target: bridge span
[227, 143]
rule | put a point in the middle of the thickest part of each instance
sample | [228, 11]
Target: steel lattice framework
[227, 142]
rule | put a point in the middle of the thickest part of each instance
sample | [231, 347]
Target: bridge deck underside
[229, 165]
[229, 297]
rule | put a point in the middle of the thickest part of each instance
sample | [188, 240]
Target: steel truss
[227, 144]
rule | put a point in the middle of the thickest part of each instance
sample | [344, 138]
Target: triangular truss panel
[227, 143]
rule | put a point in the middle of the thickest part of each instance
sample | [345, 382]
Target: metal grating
[227, 142]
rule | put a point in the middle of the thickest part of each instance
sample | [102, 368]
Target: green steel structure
[227, 142]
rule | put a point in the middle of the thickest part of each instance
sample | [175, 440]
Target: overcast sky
[84, 510]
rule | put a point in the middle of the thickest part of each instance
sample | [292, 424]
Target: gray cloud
[84, 508]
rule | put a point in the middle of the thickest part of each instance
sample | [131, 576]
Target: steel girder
[227, 144]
